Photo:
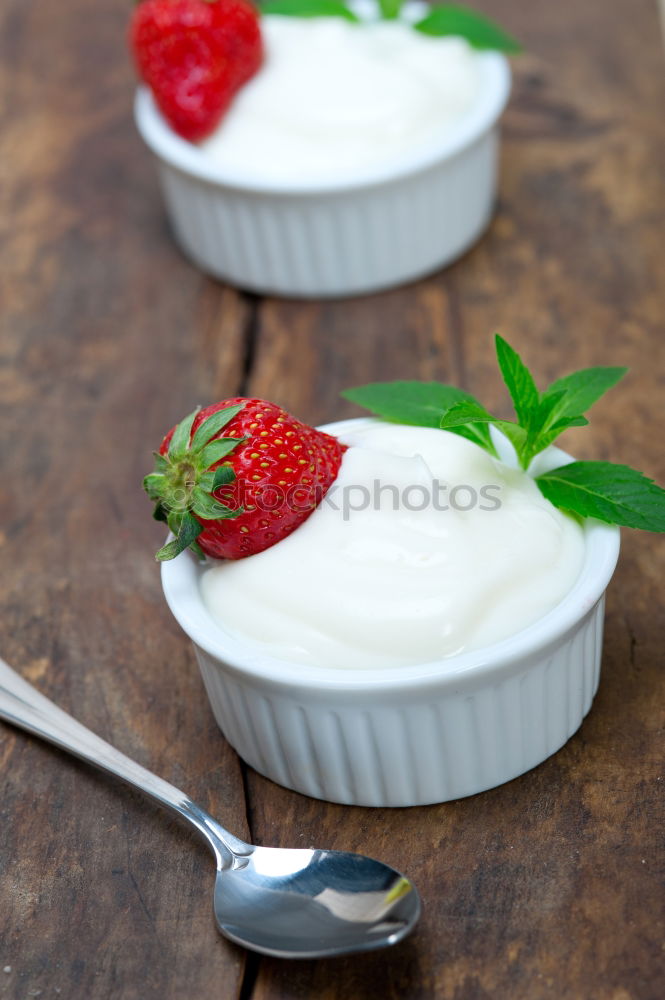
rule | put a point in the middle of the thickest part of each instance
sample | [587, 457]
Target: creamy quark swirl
[335, 96]
[424, 547]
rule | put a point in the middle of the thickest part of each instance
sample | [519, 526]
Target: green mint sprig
[615, 494]
[541, 417]
[443, 19]
[479, 31]
[612, 493]
[309, 8]
[421, 404]
[390, 9]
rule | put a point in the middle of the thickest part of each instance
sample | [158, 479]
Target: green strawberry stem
[184, 480]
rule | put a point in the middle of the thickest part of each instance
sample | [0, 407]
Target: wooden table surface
[547, 887]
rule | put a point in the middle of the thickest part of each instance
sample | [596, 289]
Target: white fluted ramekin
[378, 228]
[411, 735]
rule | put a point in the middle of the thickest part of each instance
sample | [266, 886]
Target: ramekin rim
[188, 159]
[602, 543]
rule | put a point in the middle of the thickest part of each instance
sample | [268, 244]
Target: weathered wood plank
[108, 337]
[548, 886]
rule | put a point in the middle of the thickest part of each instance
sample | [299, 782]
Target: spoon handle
[22, 705]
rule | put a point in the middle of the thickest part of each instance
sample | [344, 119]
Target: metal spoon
[289, 903]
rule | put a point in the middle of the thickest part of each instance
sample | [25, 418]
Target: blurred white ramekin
[378, 228]
[411, 735]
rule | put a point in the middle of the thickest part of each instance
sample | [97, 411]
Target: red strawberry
[238, 476]
[194, 55]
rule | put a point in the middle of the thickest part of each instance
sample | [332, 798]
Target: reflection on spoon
[289, 903]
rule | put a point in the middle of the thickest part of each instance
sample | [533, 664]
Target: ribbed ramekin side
[339, 242]
[423, 746]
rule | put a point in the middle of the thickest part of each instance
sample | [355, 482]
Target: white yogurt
[333, 96]
[381, 575]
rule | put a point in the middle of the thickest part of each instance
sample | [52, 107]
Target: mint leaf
[309, 8]
[612, 493]
[469, 419]
[521, 386]
[536, 424]
[540, 418]
[564, 401]
[565, 422]
[390, 9]
[479, 31]
[582, 389]
[479, 434]
[462, 413]
[420, 404]
[546, 438]
[459, 414]
[545, 416]
[515, 434]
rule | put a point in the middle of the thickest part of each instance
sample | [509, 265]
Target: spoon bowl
[291, 903]
[311, 903]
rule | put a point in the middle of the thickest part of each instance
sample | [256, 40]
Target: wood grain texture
[548, 887]
[107, 338]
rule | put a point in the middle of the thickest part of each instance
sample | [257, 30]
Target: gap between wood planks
[250, 339]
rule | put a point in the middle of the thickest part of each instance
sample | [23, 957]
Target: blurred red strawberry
[194, 55]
